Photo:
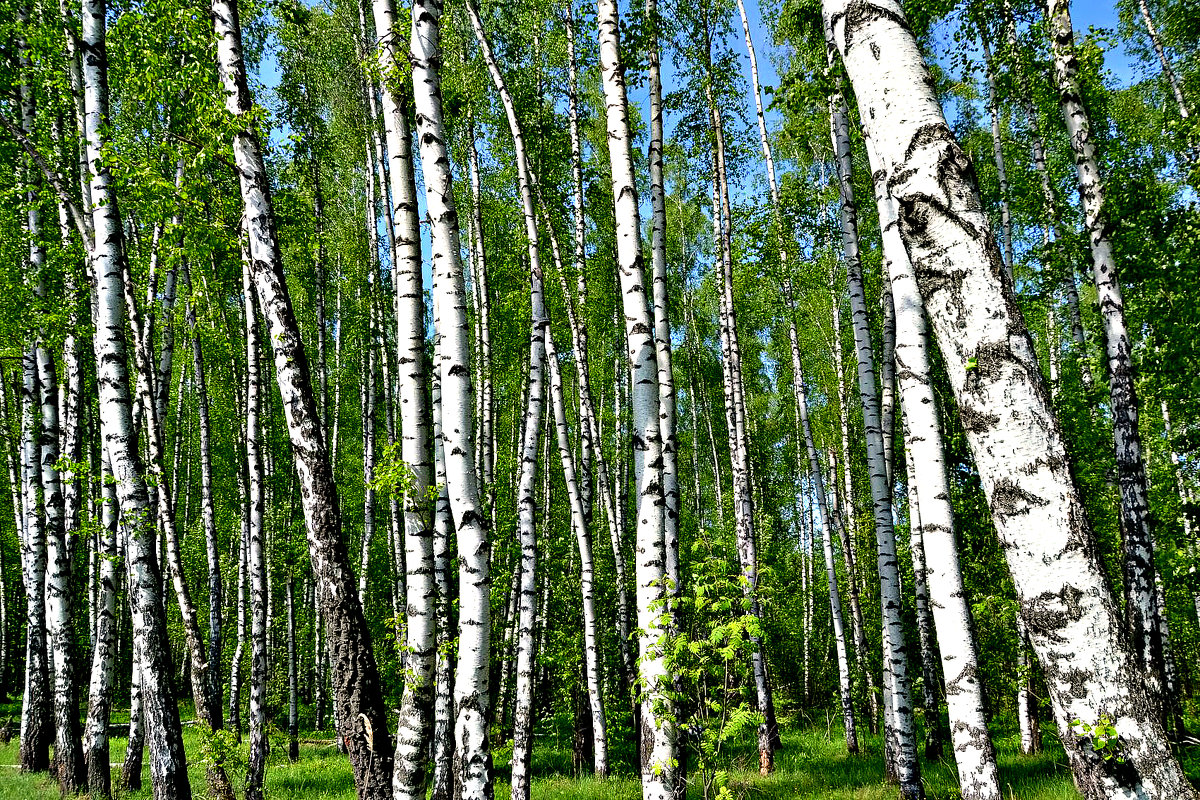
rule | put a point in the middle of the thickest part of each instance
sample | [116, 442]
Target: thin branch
[82, 225]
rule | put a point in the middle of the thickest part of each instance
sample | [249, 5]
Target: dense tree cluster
[421, 374]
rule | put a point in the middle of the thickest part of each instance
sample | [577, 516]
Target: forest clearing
[548, 399]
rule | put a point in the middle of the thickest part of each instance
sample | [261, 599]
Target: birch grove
[684, 400]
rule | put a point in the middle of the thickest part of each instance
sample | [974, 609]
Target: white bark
[472, 754]
[361, 716]
[1015, 439]
[104, 651]
[526, 505]
[443, 533]
[1141, 603]
[933, 526]
[900, 733]
[828, 526]
[151, 648]
[1160, 51]
[657, 735]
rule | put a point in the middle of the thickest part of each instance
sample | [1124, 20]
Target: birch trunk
[587, 569]
[37, 725]
[103, 672]
[1141, 603]
[443, 533]
[662, 323]
[256, 567]
[901, 735]
[828, 525]
[414, 726]
[151, 647]
[1027, 715]
[1160, 51]
[656, 733]
[293, 718]
[472, 751]
[993, 103]
[933, 526]
[739, 441]
[526, 503]
[480, 268]
[209, 522]
[361, 716]
[239, 648]
[934, 738]
[1015, 439]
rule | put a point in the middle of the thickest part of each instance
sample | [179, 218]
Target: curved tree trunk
[1017, 444]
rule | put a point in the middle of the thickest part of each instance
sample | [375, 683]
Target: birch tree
[1003, 403]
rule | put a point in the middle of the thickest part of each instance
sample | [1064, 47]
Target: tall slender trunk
[526, 503]
[420, 584]
[739, 441]
[1016, 441]
[151, 647]
[361, 715]
[1027, 711]
[256, 567]
[993, 104]
[293, 718]
[208, 519]
[900, 734]
[239, 648]
[932, 524]
[587, 568]
[829, 524]
[930, 677]
[487, 443]
[1160, 51]
[37, 725]
[1141, 604]
[657, 731]
[1050, 211]
[662, 322]
[443, 533]
[472, 751]
[103, 673]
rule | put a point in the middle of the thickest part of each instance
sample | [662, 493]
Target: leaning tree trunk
[472, 752]
[361, 714]
[828, 526]
[934, 540]
[526, 504]
[587, 568]
[657, 731]
[151, 647]
[1160, 51]
[900, 733]
[1141, 603]
[1014, 436]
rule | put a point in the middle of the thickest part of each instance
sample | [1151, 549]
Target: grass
[813, 764]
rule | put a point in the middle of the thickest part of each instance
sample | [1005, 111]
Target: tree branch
[82, 224]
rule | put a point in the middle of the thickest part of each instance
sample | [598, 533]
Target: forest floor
[812, 764]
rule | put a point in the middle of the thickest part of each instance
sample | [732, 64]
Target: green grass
[813, 764]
